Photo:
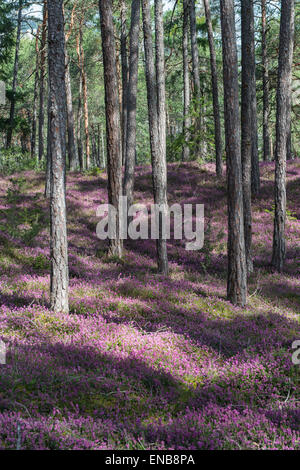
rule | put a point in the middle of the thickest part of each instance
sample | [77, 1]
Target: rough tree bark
[131, 101]
[237, 270]
[285, 62]
[215, 91]
[266, 85]
[186, 82]
[248, 89]
[58, 219]
[15, 78]
[157, 118]
[113, 132]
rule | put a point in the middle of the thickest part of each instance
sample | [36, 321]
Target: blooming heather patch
[144, 362]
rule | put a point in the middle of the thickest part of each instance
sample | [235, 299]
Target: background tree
[42, 65]
[266, 85]
[215, 90]
[157, 123]
[57, 137]
[130, 154]
[248, 137]
[237, 270]
[15, 77]
[285, 61]
[114, 155]
[186, 82]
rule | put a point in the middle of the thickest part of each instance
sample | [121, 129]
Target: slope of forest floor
[145, 362]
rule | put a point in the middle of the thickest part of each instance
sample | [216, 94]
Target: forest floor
[141, 361]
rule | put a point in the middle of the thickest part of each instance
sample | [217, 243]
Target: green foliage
[13, 160]
[6, 31]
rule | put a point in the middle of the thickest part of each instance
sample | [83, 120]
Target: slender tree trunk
[72, 149]
[48, 156]
[59, 242]
[215, 91]
[285, 62]
[15, 78]
[186, 82]
[35, 96]
[104, 159]
[79, 111]
[289, 147]
[196, 77]
[163, 265]
[131, 101]
[237, 270]
[255, 172]
[85, 106]
[42, 82]
[99, 146]
[266, 86]
[113, 132]
[120, 85]
[248, 82]
[94, 146]
[124, 61]
[25, 145]
[156, 112]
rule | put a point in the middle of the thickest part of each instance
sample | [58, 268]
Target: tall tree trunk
[85, 105]
[196, 78]
[156, 112]
[42, 82]
[79, 111]
[266, 85]
[113, 134]
[120, 84]
[255, 172]
[35, 95]
[131, 101]
[94, 146]
[104, 159]
[58, 218]
[186, 82]
[48, 156]
[289, 147]
[248, 83]
[237, 270]
[285, 62]
[215, 91]
[124, 62]
[15, 78]
[72, 149]
[163, 265]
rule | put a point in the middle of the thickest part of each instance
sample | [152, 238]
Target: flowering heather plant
[141, 361]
